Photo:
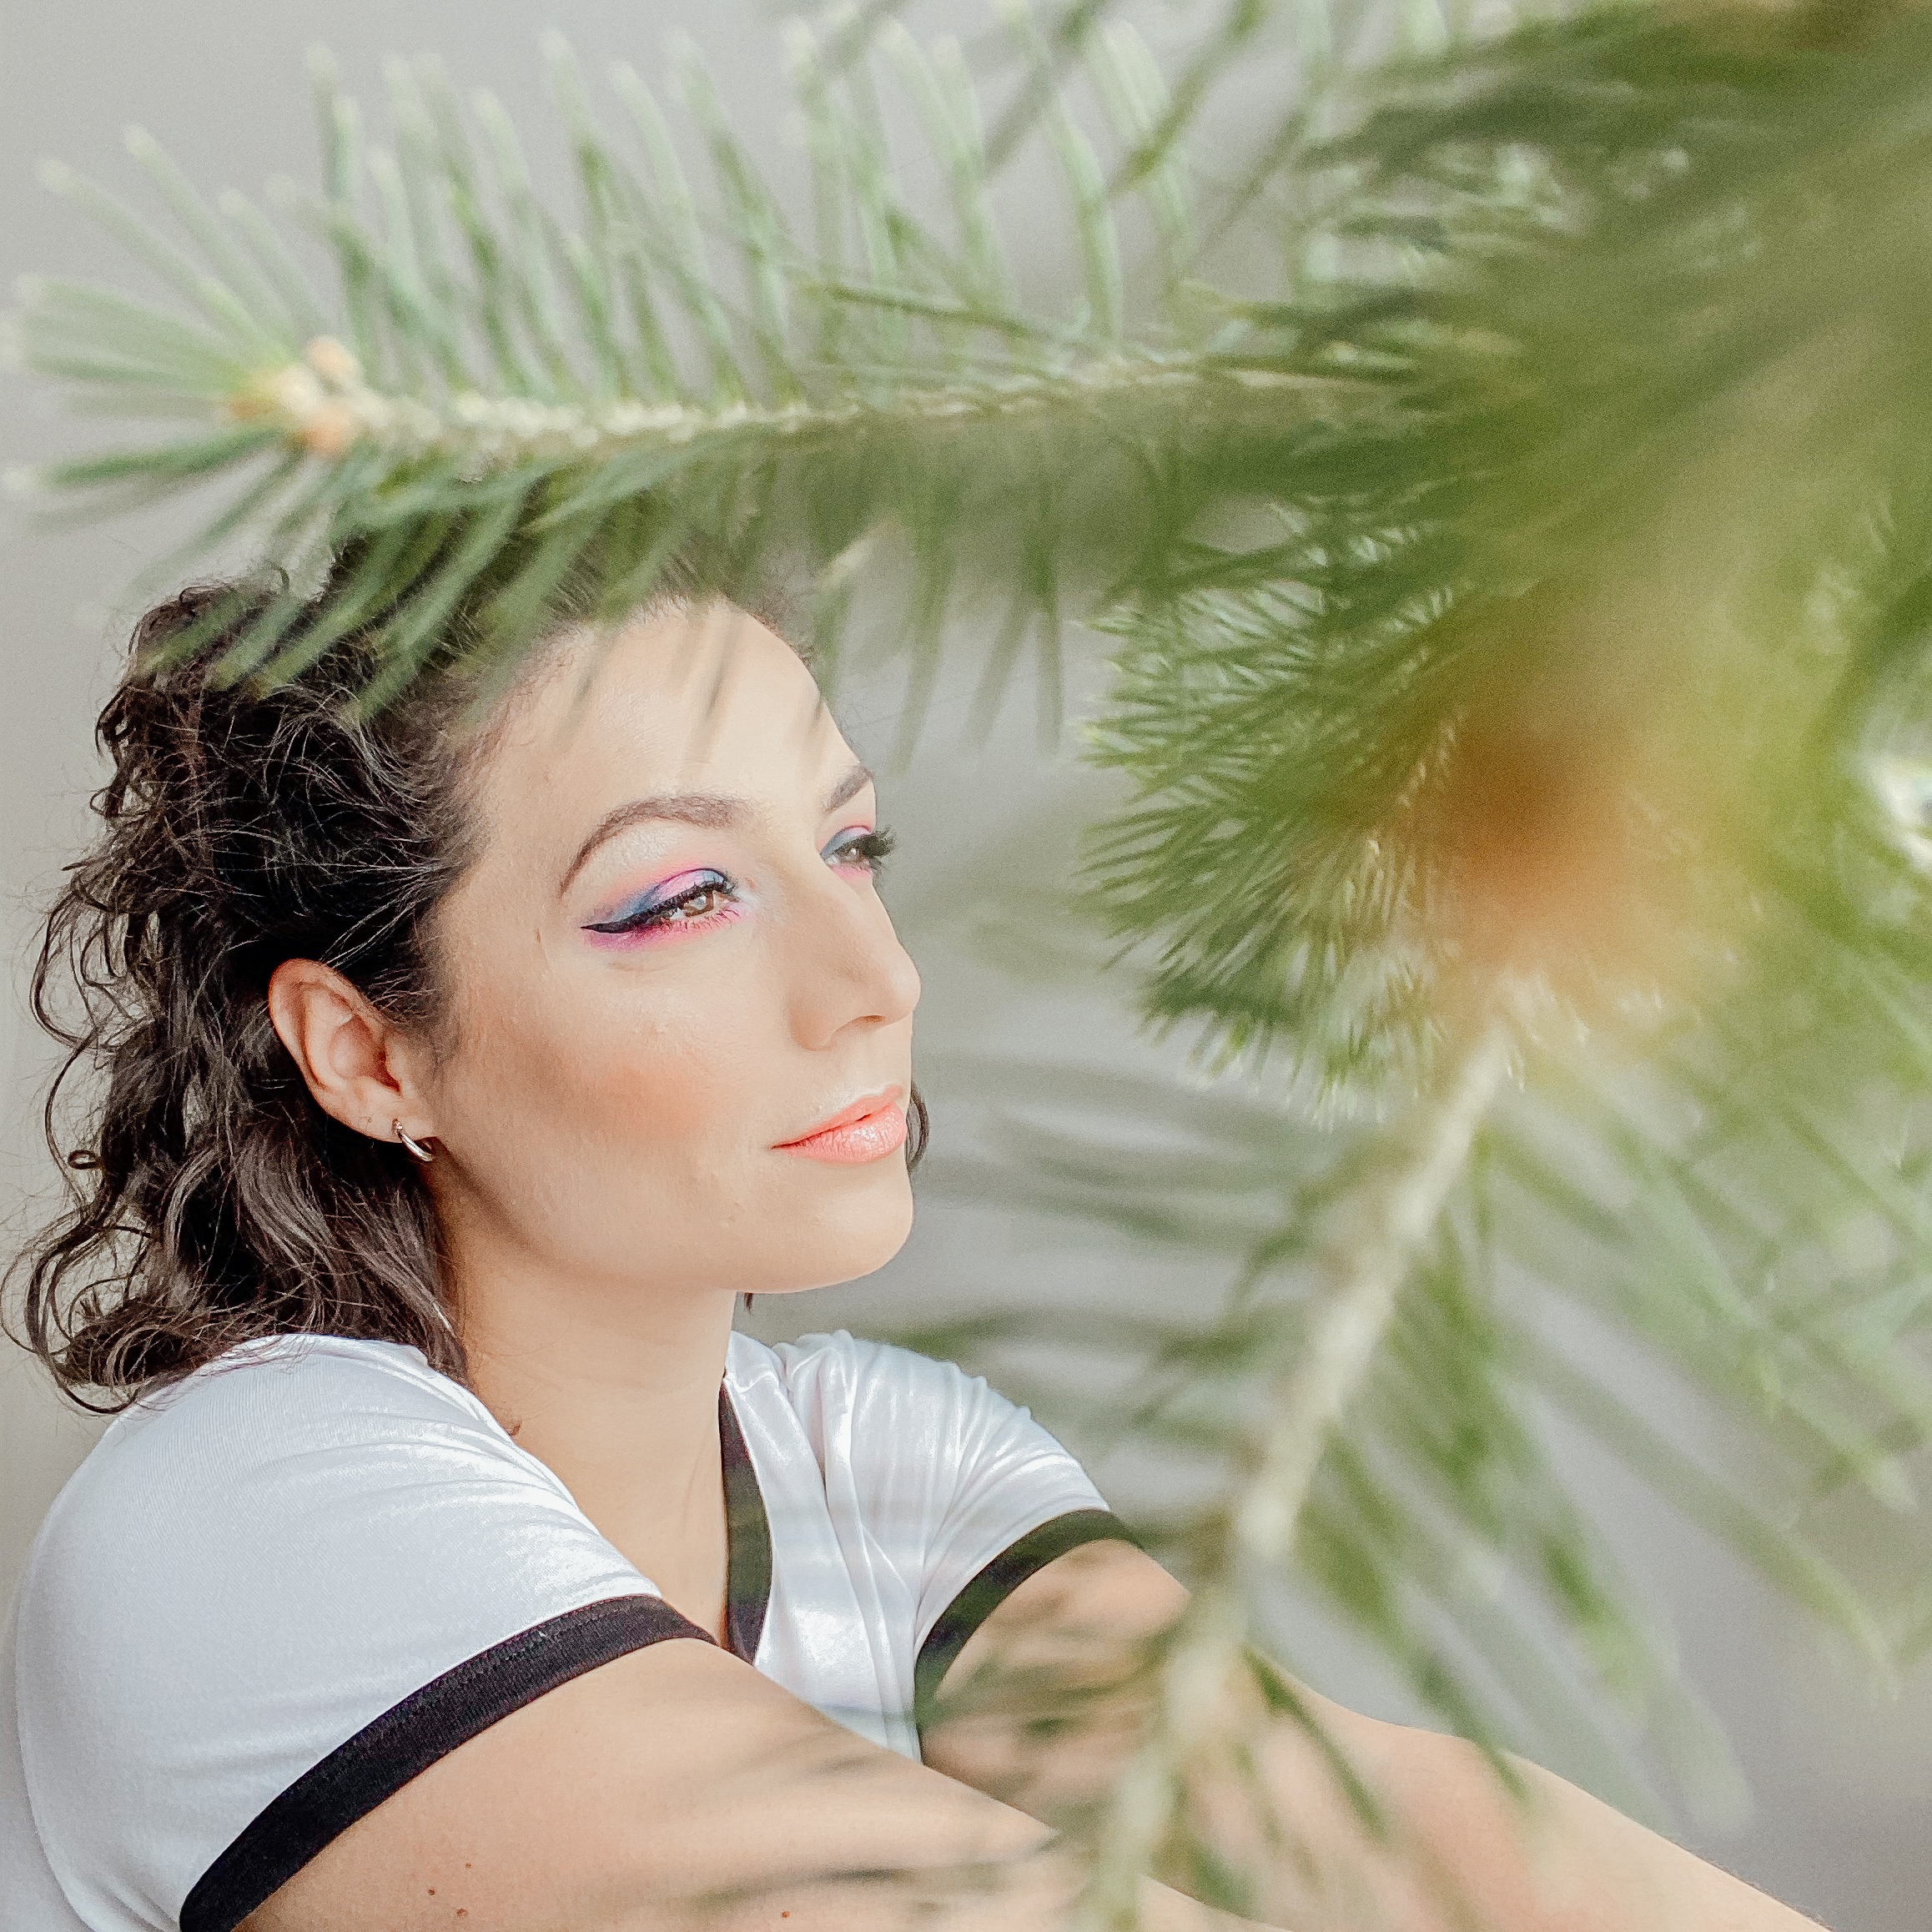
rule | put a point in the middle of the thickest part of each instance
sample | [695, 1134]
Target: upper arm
[677, 1790]
[1053, 1693]
[1048, 1695]
[675, 1787]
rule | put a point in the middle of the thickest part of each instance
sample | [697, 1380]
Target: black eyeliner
[644, 914]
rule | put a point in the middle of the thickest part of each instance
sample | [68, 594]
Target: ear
[361, 1068]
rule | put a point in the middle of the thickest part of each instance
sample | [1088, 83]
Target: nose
[847, 966]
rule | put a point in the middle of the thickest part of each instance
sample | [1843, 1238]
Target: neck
[614, 1385]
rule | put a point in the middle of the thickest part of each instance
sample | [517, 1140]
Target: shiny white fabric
[251, 1566]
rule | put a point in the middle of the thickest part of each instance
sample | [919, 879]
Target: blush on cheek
[660, 1089]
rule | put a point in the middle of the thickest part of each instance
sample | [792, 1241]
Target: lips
[870, 1128]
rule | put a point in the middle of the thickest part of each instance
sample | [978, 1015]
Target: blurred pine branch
[1519, 619]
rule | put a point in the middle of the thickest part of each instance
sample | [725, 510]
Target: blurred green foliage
[1517, 612]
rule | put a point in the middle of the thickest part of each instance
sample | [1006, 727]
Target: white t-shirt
[278, 1590]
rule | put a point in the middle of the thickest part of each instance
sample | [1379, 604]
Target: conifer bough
[1520, 620]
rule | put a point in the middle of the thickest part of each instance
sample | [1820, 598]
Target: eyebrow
[709, 808]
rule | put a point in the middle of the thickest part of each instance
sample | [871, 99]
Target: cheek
[643, 1070]
[674, 1079]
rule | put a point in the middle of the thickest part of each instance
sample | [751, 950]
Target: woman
[457, 1562]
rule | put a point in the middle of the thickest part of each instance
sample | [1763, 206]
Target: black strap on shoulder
[747, 1538]
[406, 1739]
[994, 1584]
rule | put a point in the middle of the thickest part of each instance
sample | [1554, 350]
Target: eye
[859, 847]
[680, 902]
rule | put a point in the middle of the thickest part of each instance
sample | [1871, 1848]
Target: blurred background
[1017, 1027]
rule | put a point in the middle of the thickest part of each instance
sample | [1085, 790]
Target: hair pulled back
[211, 1200]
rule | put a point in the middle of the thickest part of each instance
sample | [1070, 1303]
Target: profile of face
[679, 1049]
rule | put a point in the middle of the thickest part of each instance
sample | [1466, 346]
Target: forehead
[705, 700]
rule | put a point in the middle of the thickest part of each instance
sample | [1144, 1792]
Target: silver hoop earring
[416, 1147]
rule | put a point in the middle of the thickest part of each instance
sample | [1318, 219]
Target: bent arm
[676, 1790]
[1461, 1849]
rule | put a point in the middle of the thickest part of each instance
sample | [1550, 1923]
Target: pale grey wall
[1842, 1783]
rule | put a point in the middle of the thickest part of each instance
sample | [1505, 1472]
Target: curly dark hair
[211, 1200]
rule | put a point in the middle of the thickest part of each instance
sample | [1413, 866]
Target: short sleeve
[31, 1899]
[968, 1494]
[270, 1598]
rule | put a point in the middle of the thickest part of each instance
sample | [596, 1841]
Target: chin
[843, 1242]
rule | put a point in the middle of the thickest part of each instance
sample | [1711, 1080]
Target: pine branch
[1528, 588]
[1348, 1318]
[323, 404]
[1367, 1266]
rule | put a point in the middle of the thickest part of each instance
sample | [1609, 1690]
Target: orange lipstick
[868, 1130]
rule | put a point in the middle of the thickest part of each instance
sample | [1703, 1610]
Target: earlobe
[346, 1051]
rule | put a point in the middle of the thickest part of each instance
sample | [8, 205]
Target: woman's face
[671, 973]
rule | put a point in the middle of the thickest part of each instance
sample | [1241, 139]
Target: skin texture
[613, 1116]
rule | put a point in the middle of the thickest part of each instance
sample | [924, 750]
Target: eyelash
[868, 849]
